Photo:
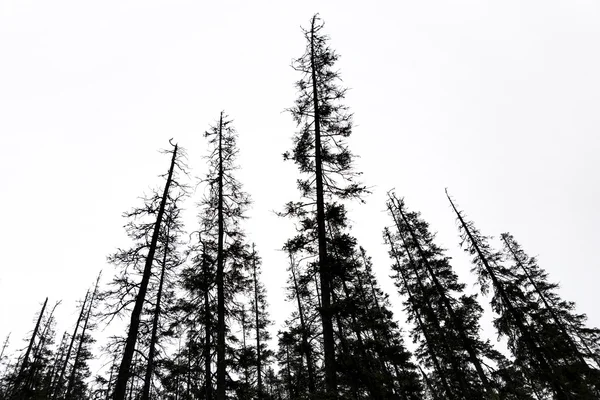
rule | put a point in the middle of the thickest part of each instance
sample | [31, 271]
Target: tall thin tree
[320, 152]
[123, 375]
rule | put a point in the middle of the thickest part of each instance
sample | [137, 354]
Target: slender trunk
[29, 348]
[131, 382]
[81, 341]
[188, 383]
[57, 362]
[246, 373]
[521, 324]
[317, 290]
[351, 362]
[207, 330]
[305, 345]
[432, 314]
[220, 276]
[432, 390]
[426, 335]
[58, 386]
[324, 267]
[40, 346]
[372, 388]
[4, 346]
[153, 338]
[374, 334]
[467, 342]
[257, 322]
[289, 371]
[109, 384]
[134, 325]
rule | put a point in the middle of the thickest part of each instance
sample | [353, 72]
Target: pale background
[498, 101]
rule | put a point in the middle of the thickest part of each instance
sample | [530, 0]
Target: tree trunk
[455, 320]
[207, 330]
[426, 335]
[4, 346]
[324, 267]
[220, 276]
[521, 324]
[431, 313]
[305, 345]
[134, 325]
[57, 362]
[556, 319]
[57, 387]
[81, 341]
[19, 378]
[256, 311]
[153, 338]
[40, 346]
[109, 384]
[350, 364]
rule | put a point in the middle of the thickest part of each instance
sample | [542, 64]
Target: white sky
[498, 101]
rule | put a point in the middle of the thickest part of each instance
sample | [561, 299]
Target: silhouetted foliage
[198, 314]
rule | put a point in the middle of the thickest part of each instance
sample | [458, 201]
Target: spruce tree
[446, 319]
[218, 280]
[325, 162]
[260, 325]
[18, 388]
[76, 386]
[558, 324]
[58, 383]
[531, 339]
[130, 287]
[584, 341]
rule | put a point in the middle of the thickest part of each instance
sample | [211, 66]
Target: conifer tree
[57, 386]
[138, 263]
[37, 380]
[4, 366]
[301, 323]
[325, 162]
[447, 320]
[583, 343]
[76, 387]
[169, 261]
[17, 385]
[217, 282]
[260, 325]
[537, 352]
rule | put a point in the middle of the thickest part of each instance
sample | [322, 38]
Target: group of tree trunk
[197, 312]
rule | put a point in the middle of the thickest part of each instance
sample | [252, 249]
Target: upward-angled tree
[37, 380]
[4, 363]
[582, 342]
[17, 385]
[146, 252]
[169, 261]
[324, 161]
[57, 386]
[536, 352]
[76, 387]
[447, 319]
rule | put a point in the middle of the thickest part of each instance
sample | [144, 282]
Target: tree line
[197, 312]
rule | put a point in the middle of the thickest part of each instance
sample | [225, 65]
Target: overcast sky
[498, 101]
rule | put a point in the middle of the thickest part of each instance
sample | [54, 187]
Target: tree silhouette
[326, 162]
